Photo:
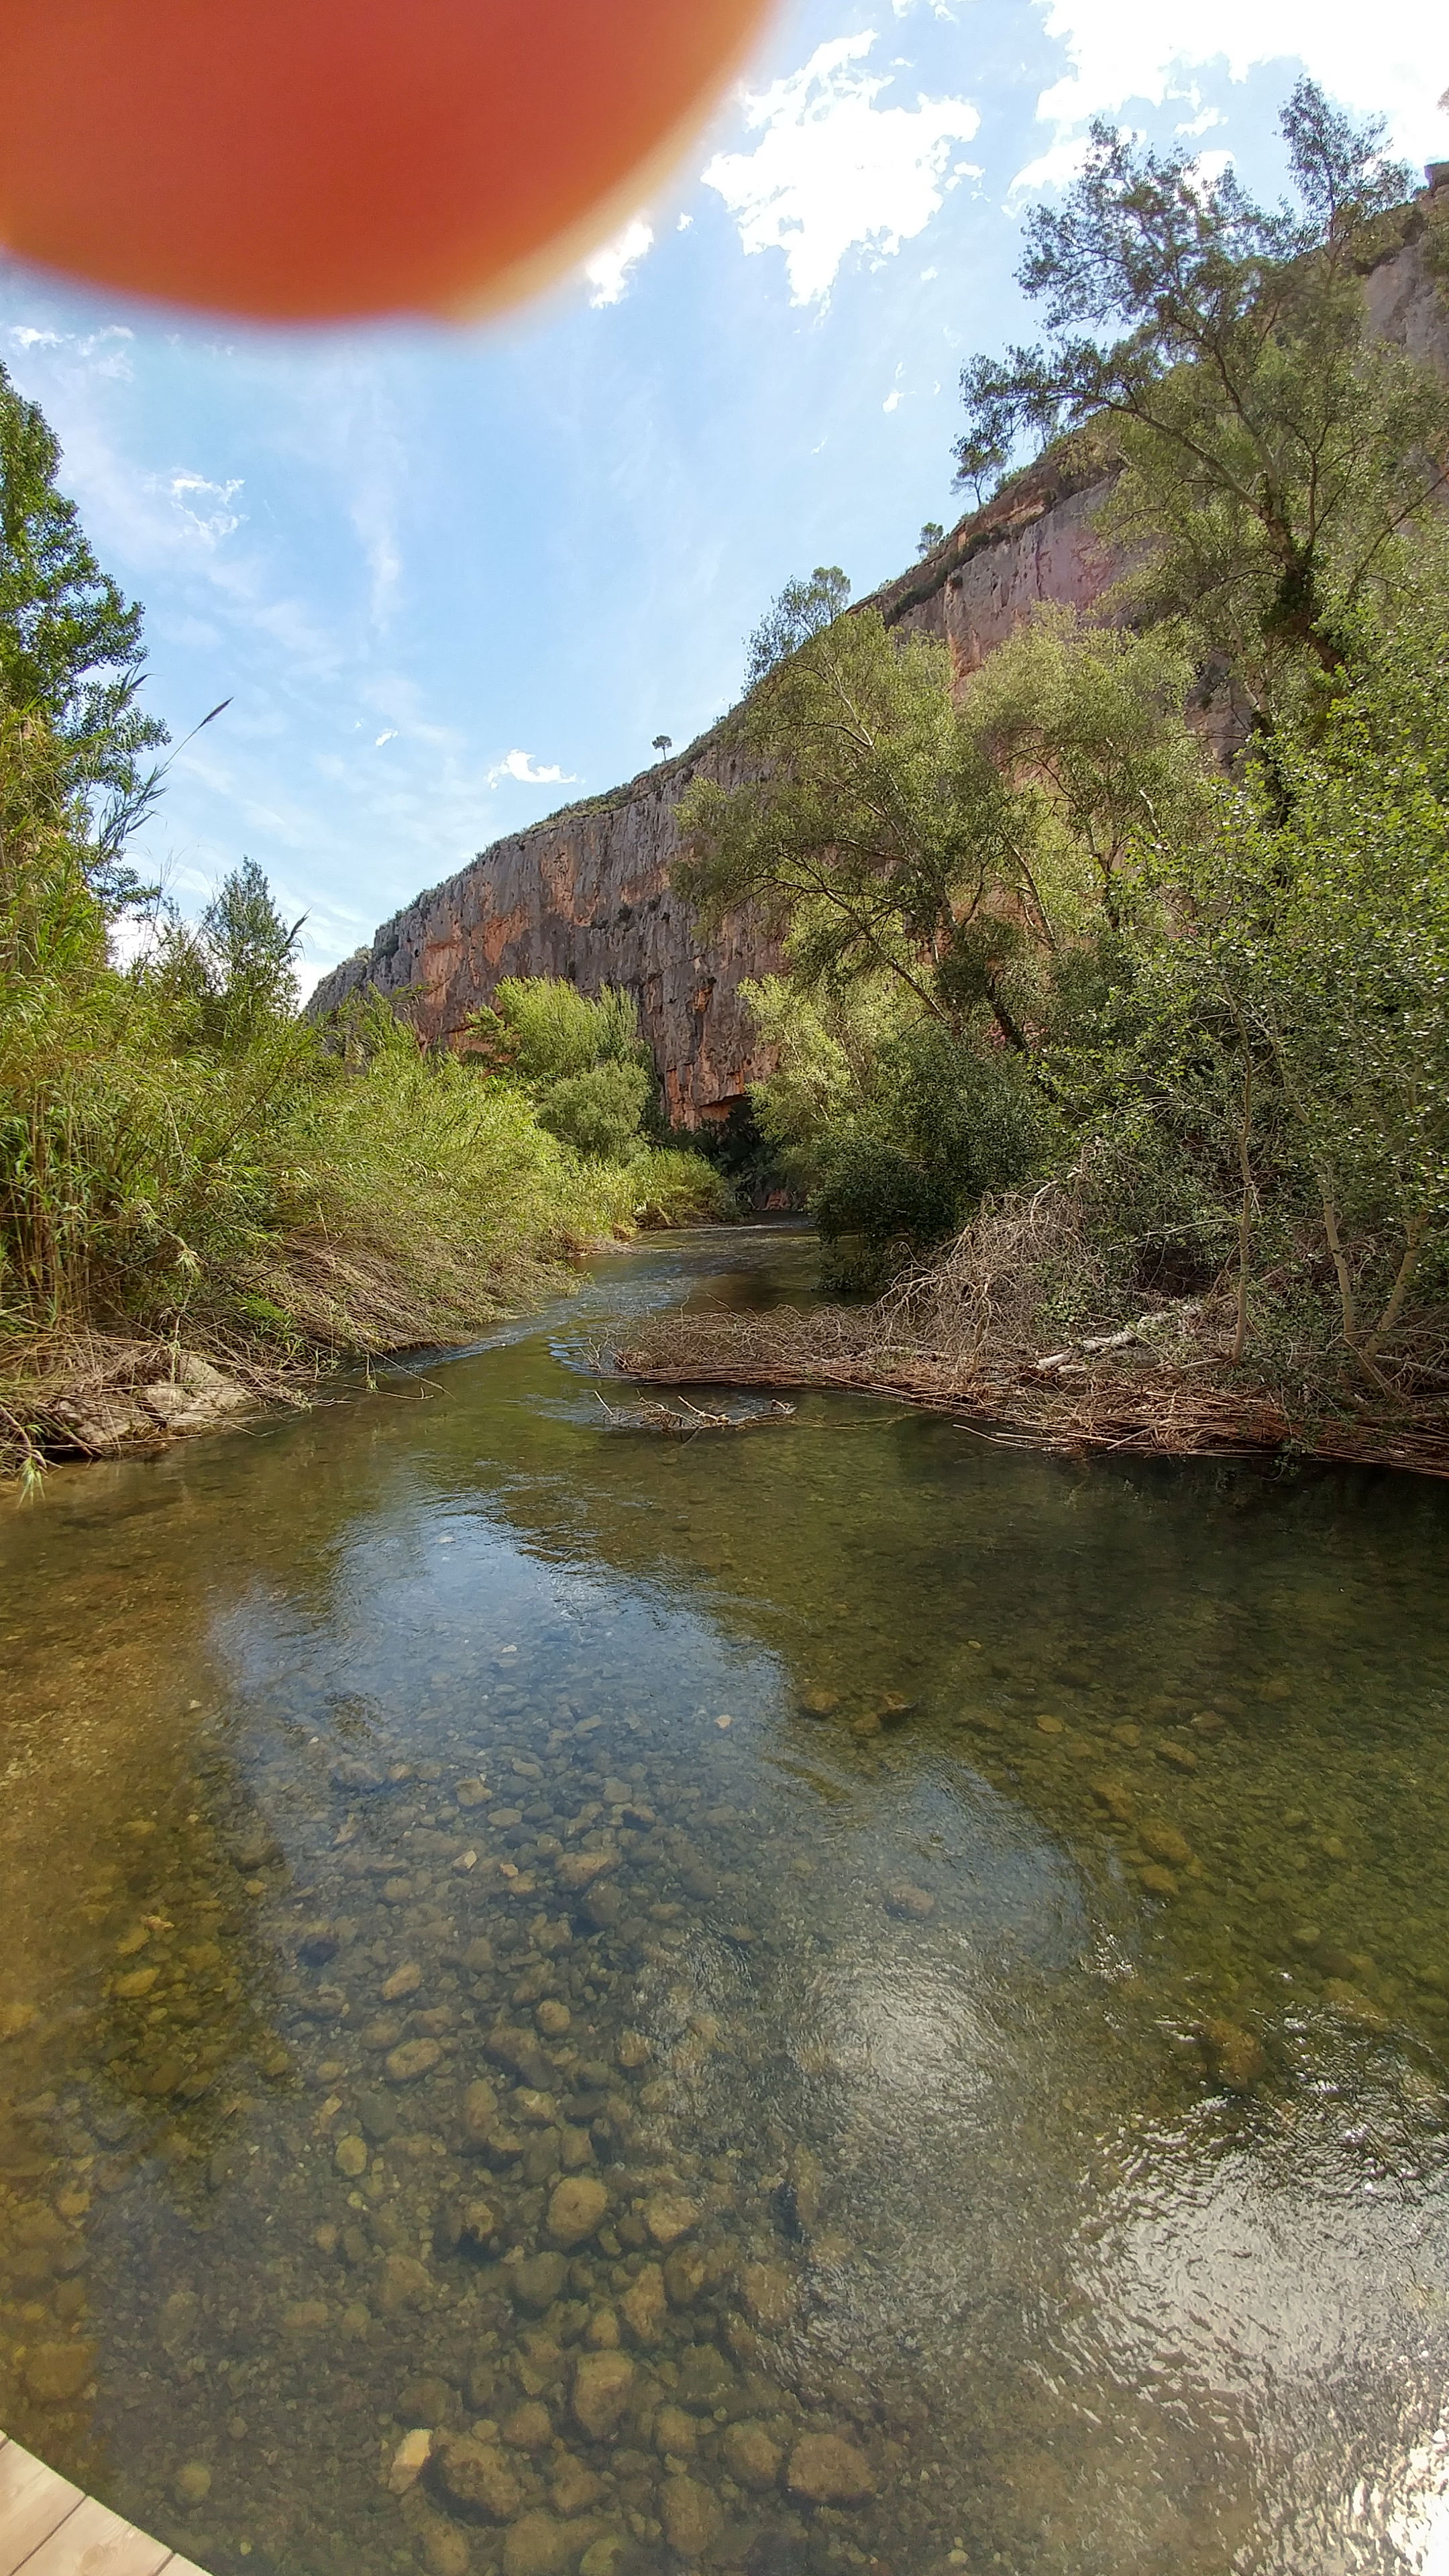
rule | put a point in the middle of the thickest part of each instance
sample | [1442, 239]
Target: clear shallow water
[1054, 2114]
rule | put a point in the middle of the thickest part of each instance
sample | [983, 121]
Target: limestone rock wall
[587, 894]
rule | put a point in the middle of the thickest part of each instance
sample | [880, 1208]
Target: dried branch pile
[978, 1335]
[685, 1421]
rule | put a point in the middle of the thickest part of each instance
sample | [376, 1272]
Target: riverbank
[1161, 1386]
[107, 1395]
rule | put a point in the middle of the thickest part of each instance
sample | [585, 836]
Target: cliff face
[587, 894]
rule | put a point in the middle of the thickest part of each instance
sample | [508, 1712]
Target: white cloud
[607, 273]
[389, 736]
[834, 171]
[519, 765]
[203, 508]
[1130, 49]
[104, 352]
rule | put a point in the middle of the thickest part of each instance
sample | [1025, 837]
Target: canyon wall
[587, 894]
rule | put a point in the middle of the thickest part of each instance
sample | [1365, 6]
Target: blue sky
[452, 578]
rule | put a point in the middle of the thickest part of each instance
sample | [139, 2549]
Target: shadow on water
[826, 1997]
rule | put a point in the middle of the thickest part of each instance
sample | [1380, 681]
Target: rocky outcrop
[588, 893]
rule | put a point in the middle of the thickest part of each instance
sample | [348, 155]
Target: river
[834, 1996]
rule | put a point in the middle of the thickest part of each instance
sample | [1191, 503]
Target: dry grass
[971, 1336]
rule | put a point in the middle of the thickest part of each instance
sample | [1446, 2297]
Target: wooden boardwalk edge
[50, 2528]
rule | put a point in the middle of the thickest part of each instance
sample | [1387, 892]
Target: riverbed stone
[668, 2215]
[475, 2477]
[826, 2469]
[1236, 2058]
[685, 2273]
[409, 2460]
[750, 2456]
[55, 2372]
[574, 2487]
[644, 2305]
[539, 2545]
[578, 1870]
[351, 2158]
[480, 2110]
[675, 2432]
[1116, 1798]
[816, 1701]
[690, 2516]
[1164, 1842]
[537, 2281]
[445, 2548]
[405, 2283]
[415, 2057]
[305, 2317]
[192, 2483]
[403, 1981]
[705, 2378]
[1354, 2004]
[576, 2209]
[603, 2385]
[768, 2294]
[529, 2427]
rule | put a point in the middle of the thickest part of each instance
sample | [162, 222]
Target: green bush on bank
[249, 1180]
[592, 1082]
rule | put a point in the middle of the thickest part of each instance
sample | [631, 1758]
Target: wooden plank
[181, 2567]
[33, 2503]
[93, 2541]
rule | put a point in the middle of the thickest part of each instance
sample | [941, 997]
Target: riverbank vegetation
[1116, 1033]
[202, 1193]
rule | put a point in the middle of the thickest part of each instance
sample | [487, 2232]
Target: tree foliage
[1212, 354]
[581, 1061]
[804, 608]
[886, 830]
[71, 654]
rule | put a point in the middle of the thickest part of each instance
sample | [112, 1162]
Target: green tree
[249, 951]
[803, 609]
[960, 850]
[70, 646]
[950, 881]
[1261, 1085]
[1214, 358]
[582, 1062]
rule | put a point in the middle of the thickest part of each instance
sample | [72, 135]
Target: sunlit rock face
[588, 894]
